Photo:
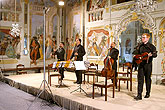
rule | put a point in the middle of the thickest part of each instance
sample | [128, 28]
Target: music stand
[44, 82]
[79, 65]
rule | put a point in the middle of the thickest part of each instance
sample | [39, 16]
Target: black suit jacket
[81, 52]
[60, 54]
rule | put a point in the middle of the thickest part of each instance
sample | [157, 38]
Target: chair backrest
[20, 66]
[50, 65]
[127, 66]
[93, 67]
[19, 69]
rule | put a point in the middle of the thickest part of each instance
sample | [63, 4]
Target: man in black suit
[78, 54]
[113, 53]
[145, 67]
[60, 56]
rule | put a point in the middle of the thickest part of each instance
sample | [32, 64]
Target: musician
[60, 56]
[145, 67]
[78, 53]
[113, 53]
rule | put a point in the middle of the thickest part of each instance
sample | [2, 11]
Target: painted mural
[76, 26]
[96, 4]
[128, 46]
[37, 25]
[10, 46]
[41, 2]
[70, 41]
[55, 21]
[97, 42]
[161, 35]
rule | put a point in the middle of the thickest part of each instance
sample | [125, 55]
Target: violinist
[78, 53]
[145, 67]
[113, 53]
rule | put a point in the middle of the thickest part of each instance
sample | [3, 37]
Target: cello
[107, 70]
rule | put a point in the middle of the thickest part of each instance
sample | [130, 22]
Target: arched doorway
[129, 39]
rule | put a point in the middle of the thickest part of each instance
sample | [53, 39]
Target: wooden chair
[126, 75]
[52, 75]
[91, 71]
[105, 84]
[20, 69]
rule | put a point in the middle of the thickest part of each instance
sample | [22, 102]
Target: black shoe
[79, 82]
[147, 96]
[75, 82]
[138, 97]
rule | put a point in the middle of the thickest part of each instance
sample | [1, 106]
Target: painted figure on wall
[96, 4]
[17, 47]
[76, 26]
[4, 44]
[34, 50]
[162, 36]
[128, 46]
[76, 33]
[70, 45]
[10, 52]
[9, 45]
[97, 42]
[89, 5]
[49, 47]
[41, 49]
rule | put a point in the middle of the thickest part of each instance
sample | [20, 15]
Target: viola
[107, 70]
[141, 57]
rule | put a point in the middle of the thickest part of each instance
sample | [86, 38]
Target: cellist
[113, 53]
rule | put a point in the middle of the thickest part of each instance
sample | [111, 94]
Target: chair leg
[88, 78]
[105, 93]
[58, 80]
[131, 85]
[119, 85]
[50, 80]
[113, 91]
[93, 93]
[84, 78]
[101, 91]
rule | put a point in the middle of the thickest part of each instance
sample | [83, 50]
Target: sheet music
[65, 64]
[79, 65]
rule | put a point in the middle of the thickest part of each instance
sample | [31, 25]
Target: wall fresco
[97, 42]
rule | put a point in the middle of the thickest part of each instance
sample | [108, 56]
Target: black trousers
[61, 71]
[134, 64]
[144, 70]
[79, 76]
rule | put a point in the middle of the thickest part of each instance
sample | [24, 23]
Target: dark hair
[114, 43]
[79, 40]
[63, 43]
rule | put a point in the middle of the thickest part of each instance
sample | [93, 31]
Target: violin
[107, 70]
[140, 58]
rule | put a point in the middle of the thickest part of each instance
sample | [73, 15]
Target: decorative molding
[125, 7]
[147, 21]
